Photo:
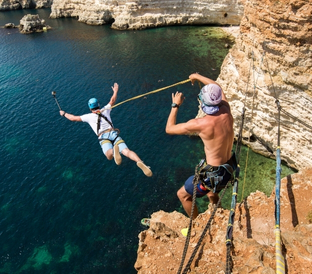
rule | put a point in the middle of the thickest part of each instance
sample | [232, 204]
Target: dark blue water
[63, 207]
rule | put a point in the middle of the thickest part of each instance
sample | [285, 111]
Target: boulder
[32, 23]
[9, 26]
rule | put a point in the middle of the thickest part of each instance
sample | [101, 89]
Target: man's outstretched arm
[70, 117]
[114, 96]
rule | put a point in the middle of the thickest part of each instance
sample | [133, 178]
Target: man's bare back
[217, 135]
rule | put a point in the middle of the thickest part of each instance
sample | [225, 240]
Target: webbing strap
[105, 141]
[109, 141]
[119, 142]
[99, 121]
[213, 176]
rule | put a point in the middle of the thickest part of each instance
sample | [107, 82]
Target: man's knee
[182, 194]
[126, 151]
[213, 197]
[109, 154]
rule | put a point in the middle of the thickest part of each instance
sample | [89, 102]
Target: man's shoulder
[86, 117]
[107, 107]
[202, 123]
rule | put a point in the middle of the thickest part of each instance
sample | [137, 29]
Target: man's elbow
[76, 119]
[169, 131]
[112, 101]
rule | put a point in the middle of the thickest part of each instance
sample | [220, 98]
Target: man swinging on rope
[216, 131]
[100, 121]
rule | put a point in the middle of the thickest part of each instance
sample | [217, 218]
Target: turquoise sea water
[63, 207]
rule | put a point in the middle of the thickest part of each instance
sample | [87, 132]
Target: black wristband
[64, 114]
[174, 105]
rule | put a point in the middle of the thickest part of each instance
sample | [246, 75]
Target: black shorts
[201, 190]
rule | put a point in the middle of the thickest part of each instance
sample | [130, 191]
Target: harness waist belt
[213, 173]
[105, 131]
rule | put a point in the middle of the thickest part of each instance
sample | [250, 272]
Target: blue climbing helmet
[93, 103]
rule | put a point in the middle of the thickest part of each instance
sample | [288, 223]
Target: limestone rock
[253, 250]
[9, 26]
[148, 14]
[271, 60]
[32, 23]
[24, 4]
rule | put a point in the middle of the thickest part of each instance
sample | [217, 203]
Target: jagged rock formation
[24, 4]
[161, 246]
[32, 23]
[147, 14]
[273, 54]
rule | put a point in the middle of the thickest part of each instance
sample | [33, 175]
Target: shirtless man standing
[216, 131]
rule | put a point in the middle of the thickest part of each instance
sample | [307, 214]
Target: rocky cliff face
[24, 4]
[272, 59]
[253, 251]
[147, 13]
[270, 63]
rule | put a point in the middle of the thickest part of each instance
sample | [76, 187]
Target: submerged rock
[32, 23]
[9, 26]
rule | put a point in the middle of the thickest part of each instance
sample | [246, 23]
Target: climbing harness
[104, 140]
[212, 175]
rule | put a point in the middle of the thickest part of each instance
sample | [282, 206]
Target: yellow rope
[151, 92]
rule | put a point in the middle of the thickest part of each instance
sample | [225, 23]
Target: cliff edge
[253, 251]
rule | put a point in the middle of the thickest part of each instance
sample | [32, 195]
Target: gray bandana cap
[209, 109]
[211, 95]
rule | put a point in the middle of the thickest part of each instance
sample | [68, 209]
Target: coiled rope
[194, 182]
[204, 232]
[187, 266]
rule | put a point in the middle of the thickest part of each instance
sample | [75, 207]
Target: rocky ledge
[24, 4]
[148, 14]
[253, 250]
